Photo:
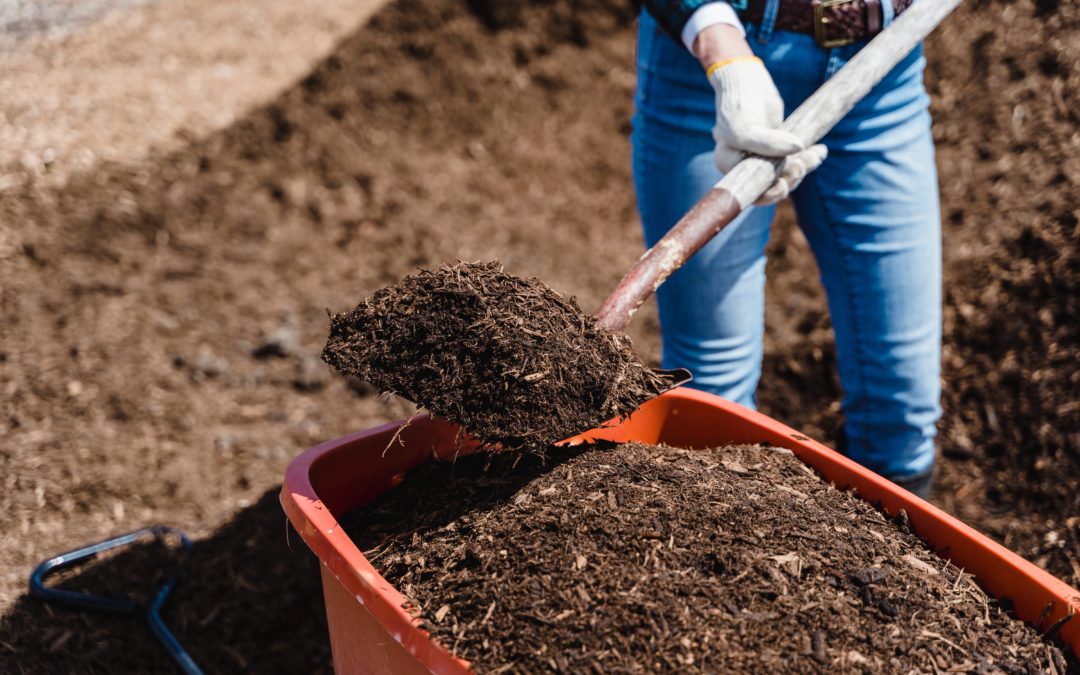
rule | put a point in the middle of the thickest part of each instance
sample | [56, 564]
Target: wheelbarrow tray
[371, 632]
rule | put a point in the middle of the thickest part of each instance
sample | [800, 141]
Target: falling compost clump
[509, 359]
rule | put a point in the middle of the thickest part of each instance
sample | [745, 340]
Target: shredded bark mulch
[509, 359]
[640, 558]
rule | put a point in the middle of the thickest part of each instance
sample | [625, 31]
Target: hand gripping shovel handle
[744, 184]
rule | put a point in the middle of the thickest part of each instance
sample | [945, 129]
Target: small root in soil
[509, 359]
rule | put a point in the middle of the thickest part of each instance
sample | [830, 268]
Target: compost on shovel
[510, 360]
[635, 558]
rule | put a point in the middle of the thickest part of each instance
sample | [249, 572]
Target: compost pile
[509, 359]
[642, 558]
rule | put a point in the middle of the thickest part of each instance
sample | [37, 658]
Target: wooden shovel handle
[715, 210]
[744, 184]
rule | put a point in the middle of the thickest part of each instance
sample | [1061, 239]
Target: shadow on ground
[250, 600]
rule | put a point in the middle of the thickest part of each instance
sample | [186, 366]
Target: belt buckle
[821, 22]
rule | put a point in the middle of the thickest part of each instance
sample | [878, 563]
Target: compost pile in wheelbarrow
[509, 359]
[637, 559]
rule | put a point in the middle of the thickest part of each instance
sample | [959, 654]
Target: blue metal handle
[105, 603]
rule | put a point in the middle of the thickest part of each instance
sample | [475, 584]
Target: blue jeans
[870, 214]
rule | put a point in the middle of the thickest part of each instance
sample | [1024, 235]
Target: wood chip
[918, 564]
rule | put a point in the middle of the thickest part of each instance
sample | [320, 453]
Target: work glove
[749, 112]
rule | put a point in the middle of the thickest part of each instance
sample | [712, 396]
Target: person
[715, 80]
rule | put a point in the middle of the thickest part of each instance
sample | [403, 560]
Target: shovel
[745, 184]
[498, 406]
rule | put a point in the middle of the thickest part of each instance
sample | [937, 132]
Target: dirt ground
[89, 81]
[163, 312]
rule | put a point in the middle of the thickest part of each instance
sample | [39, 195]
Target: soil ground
[87, 81]
[636, 558]
[163, 312]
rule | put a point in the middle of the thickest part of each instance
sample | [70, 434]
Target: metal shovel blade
[675, 377]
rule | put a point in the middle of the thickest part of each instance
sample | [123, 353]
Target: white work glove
[749, 112]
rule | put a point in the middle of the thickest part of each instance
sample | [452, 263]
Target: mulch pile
[639, 558]
[509, 359]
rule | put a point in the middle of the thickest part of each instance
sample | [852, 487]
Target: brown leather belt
[833, 23]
